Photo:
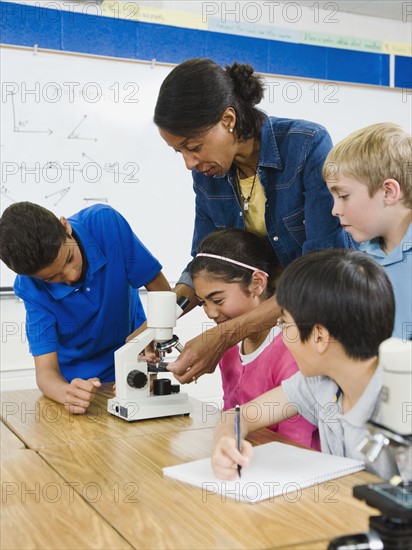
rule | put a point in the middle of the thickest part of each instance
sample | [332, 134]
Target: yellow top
[255, 213]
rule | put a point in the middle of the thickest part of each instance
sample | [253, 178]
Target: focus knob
[137, 379]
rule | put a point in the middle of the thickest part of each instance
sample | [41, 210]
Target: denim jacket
[298, 203]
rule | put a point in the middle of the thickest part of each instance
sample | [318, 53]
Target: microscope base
[393, 534]
[153, 406]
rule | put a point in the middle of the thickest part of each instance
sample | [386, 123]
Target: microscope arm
[125, 359]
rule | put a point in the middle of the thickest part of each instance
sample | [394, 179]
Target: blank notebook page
[275, 469]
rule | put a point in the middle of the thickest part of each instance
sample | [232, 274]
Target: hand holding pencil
[230, 452]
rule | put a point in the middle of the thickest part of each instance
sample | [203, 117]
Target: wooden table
[40, 422]
[10, 443]
[41, 510]
[112, 471]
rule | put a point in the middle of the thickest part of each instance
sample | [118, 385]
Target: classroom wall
[291, 40]
[286, 48]
[78, 130]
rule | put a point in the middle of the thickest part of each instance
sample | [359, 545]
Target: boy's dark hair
[345, 291]
[242, 246]
[30, 237]
[196, 93]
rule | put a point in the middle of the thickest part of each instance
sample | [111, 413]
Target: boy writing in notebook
[369, 174]
[337, 307]
[79, 279]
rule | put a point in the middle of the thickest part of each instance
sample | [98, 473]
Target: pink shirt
[271, 364]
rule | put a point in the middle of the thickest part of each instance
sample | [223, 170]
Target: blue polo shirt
[398, 265]
[85, 323]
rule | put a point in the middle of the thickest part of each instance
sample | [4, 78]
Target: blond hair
[372, 155]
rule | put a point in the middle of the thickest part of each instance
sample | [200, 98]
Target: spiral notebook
[276, 469]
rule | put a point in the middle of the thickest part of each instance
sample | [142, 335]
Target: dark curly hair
[196, 93]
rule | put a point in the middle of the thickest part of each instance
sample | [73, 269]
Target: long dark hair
[196, 93]
[242, 246]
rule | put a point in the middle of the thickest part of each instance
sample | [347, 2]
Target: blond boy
[369, 174]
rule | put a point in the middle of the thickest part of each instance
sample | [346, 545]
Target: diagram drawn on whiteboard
[75, 135]
[60, 195]
[20, 125]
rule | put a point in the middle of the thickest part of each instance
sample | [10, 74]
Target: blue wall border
[23, 25]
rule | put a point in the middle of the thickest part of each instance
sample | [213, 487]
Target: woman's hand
[202, 354]
[199, 356]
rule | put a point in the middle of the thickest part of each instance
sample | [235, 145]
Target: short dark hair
[196, 93]
[30, 237]
[343, 290]
[242, 246]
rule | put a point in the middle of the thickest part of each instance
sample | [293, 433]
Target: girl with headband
[232, 273]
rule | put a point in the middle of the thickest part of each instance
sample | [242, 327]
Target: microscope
[136, 397]
[392, 530]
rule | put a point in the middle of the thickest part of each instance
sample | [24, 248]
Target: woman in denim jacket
[249, 171]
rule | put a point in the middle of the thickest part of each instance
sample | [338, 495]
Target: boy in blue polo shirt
[79, 279]
[369, 174]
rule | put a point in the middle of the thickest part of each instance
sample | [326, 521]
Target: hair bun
[247, 85]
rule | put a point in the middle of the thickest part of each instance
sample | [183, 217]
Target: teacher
[249, 170]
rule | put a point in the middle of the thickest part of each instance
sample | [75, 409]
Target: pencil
[237, 435]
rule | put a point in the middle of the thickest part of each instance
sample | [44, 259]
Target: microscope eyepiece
[183, 302]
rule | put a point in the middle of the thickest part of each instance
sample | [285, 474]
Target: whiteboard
[77, 130]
